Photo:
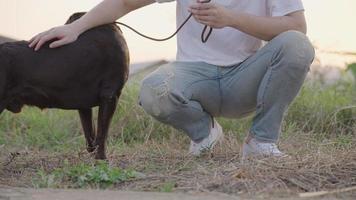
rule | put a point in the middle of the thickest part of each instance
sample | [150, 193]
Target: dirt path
[54, 194]
[28, 194]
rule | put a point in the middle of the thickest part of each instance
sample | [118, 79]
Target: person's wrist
[78, 27]
[233, 19]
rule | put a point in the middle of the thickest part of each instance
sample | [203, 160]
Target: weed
[100, 175]
[167, 187]
[44, 180]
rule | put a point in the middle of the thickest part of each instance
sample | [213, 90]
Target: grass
[82, 175]
[52, 130]
[47, 149]
[167, 187]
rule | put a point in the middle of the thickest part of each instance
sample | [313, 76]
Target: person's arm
[265, 28]
[106, 12]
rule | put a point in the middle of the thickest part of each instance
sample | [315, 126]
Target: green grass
[167, 187]
[52, 130]
[99, 175]
[326, 111]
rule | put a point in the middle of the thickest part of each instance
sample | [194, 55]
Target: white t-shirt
[226, 46]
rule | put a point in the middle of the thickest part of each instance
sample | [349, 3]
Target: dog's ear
[74, 17]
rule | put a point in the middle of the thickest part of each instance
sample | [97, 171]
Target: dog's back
[70, 77]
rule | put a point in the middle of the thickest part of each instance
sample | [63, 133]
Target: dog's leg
[88, 128]
[2, 90]
[106, 110]
[2, 108]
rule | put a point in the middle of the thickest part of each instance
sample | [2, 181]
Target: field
[46, 149]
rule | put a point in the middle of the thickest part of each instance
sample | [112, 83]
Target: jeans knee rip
[163, 88]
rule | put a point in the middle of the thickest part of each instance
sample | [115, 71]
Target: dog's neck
[4, 57]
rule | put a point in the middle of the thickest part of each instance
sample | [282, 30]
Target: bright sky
[331, 23]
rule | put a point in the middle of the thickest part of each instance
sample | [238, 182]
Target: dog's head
[74, 17]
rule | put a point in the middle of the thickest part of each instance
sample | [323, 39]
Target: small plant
[100, 175]
[167, 187]
[344, 141]
[44, 180]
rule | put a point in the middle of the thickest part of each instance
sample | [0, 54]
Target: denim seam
[267, 84]
[264, 91]
[219, 75]
[262, 98]
[273, 57]
[220, 97]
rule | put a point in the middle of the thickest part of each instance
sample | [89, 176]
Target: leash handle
[204, 36]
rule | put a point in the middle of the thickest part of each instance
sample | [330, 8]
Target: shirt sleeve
[284, 7]
[164, 1]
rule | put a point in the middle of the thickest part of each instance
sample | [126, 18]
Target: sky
[331, 23]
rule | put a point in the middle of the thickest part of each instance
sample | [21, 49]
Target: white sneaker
[253, 148]
[208, 143]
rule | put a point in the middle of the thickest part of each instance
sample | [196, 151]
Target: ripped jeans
[186, 95]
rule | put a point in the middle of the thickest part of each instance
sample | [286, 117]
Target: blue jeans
[187, 95]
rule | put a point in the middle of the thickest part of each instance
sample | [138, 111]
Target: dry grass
[313, 166]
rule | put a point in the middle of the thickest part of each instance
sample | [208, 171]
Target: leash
[204, 36]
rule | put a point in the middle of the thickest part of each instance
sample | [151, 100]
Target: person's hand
[211, 14]
[62, 35]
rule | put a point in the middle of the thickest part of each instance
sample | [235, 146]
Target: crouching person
[231, 75]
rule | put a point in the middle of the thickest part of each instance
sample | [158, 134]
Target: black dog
[87, 73]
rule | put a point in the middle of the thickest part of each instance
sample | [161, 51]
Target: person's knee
[155, 97]
[296, 48]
